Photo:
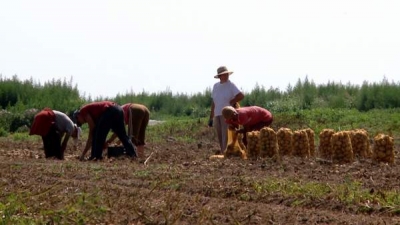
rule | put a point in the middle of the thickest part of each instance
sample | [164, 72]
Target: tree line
[17, 97]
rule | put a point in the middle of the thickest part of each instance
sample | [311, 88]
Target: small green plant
[142, 173]
[3, 133]
[12, 209]
[20, 137]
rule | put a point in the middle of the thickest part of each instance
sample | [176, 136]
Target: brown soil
[181, 185]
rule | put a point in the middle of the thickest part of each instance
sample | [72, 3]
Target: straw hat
[222, 70]
[228, 112]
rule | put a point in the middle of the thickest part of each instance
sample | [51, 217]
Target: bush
[3, 133]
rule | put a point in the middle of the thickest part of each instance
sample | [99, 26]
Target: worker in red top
[102, 117]
[252, 118]
[55, 128]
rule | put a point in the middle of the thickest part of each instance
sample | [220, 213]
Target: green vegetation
[180, 129]
[18, 96]
[374, 121]
[20, 100]
[349, 193]
[78, 209]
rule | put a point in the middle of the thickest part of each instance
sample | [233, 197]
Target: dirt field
[181, 185]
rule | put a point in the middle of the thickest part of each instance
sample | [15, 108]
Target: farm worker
[137, 117]
[55, 128]
[252, 118]
[102, 117]
[224, 93]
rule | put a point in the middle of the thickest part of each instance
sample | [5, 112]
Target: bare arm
[65, 141]
[211, 119]
[212, 110]
[239, 97]
[112, 138]
[92, 125]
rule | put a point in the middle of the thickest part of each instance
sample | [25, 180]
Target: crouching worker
[252, 118]
[137, 117]
[55, 128]
[102, 117]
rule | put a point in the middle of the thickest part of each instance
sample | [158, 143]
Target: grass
[24, 137]
[76, 210]
[178, 129]
[374, 121]
[348, 193]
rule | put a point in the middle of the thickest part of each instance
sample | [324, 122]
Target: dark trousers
[52, 144]
[111, 119]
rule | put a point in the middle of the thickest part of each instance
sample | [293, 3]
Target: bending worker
[252, 118]
[137, 117]
[54, 126]
[102, 117]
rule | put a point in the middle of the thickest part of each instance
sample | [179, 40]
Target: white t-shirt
[63, 122]
[222, 94]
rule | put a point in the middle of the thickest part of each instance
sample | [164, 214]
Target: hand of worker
[210, 122]
[240, 131]
[232, 127]
[106, 144]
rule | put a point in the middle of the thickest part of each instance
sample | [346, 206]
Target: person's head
[229, 113]
[223, 73]
[76, 133]
[77, 118]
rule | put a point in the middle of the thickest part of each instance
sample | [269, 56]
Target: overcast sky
[111, 47]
